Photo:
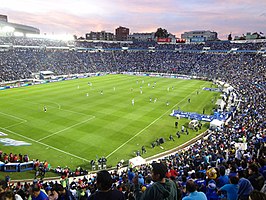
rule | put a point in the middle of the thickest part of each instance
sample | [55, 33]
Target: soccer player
[133, 102]
[44, 108]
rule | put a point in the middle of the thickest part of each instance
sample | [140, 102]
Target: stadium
[78, 107]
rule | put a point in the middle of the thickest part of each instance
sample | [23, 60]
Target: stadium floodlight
[18, 34]
[7, 29]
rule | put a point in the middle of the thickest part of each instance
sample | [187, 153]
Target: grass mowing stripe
[41, 143]
[148, 125]
[67, 128]
[116, 120]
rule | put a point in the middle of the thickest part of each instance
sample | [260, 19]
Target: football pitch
[94, 117]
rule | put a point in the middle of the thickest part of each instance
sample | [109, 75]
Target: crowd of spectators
[214, 167]
[23, 41]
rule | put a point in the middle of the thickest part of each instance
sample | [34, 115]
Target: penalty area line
[46, 145]
[82, 122]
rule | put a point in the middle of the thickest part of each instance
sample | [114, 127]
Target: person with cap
[105, 190]
[193, 194]
[212, 191]
[244, 186]
[161, 189]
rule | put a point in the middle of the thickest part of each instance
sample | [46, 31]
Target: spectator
[193, 194]
[257, 195]
[257, 180]
[231, 189]
[162, 188]
[63, 193]
[37, 193]
[105, 190]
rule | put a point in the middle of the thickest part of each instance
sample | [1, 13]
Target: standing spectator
[256, 178]
[231, 189]
[105, 190]
[244, 189]
[163, 188]
[223, 178]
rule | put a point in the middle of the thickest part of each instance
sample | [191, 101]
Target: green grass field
[78, 127]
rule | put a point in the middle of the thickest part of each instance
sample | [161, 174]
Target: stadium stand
[211, 160]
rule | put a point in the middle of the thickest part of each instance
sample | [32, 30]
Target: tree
[230, 37]
[161, 33]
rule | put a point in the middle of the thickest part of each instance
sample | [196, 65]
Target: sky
[78, 17]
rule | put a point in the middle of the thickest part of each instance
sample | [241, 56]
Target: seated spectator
[37, 193]
[63, 193]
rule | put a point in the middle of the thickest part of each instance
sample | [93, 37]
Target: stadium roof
[20, 27]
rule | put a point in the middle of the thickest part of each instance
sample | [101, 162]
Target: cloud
[82, 16]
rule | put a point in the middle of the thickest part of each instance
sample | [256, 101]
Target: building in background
[3, 18]
[200, 36]
[100, 36]
[251, 36]
[121, 33]
[13, 29]
[142, 37]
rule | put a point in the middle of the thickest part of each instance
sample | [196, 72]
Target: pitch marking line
[82, 122]
[150, 124]
[23, 120]
[41, 143]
